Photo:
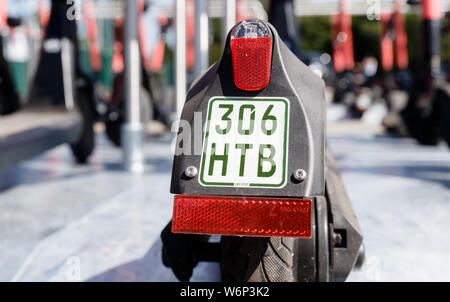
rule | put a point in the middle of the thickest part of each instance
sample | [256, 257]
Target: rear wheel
[280, 259]
[84, 147]
[251, 259]
[115, 118]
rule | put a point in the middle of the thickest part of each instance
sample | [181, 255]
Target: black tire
[84, 147]
[113, 129]
[115, 119]
[9, 98]
[256, 259]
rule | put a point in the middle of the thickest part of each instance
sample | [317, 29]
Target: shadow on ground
[151, 269]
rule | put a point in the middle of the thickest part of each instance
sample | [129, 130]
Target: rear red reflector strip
[242, 216]
[252, 58]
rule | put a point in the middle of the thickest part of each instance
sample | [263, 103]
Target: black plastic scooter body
[332, 251]
[9, 98]
[290, 79]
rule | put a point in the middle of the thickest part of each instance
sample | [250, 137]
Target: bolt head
[300, 175]
[191, 172]
[337, 239]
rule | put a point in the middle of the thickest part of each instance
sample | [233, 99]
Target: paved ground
[63, 222]
[401, 194]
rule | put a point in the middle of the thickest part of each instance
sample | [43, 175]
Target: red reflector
[242, 216]
[252, 59]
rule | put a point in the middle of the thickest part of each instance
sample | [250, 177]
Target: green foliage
[215, 50]
[266, 4]
[315, 34]
[444, 41]
[412, 26]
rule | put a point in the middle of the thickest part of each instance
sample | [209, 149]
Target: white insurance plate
[245, 143]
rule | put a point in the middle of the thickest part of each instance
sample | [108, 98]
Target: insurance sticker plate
[245, 142]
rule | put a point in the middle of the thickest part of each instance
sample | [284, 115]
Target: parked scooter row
[60, 106]
[425, 114]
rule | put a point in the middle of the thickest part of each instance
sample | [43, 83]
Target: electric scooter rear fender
[290, 79]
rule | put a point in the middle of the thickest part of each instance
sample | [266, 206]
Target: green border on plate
[205, 141]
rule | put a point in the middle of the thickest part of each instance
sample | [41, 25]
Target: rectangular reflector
[242, 216]
[252, 59]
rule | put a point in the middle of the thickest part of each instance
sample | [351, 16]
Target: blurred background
[79, 202]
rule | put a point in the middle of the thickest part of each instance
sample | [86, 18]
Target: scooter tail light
[242, 216]
[251, 52]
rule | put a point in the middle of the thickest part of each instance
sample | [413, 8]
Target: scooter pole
[282, 16]
[387, 43]
[401, 40]
[92, 35]
[132, 130]
[229, 18]
[387, 51]
[201, 37]
[421, 114]
[180, 56]
[343, 57]
[431, 31]
[347, 24]
[3, 13]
